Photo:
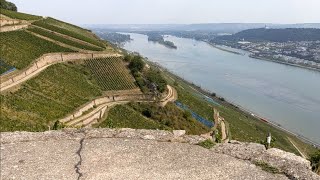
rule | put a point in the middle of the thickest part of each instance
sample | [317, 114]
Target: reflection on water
[284, 94]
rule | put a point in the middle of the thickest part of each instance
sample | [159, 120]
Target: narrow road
[171, 96]
[301, 153]
[83, 118]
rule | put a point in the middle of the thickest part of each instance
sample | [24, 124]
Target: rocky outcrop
[138, 154]
[293, 166]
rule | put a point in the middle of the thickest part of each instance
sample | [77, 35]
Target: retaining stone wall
[12, 28]
[49, 59]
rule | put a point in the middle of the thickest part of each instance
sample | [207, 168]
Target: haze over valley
[160, 89]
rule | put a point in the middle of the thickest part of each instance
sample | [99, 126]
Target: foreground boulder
[293, 166]
[127, 154]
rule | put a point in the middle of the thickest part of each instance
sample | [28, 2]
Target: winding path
[170, 97]
[91, 112]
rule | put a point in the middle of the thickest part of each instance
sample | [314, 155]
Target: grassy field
[170, 116]
[51, 95]
[123, 116]
[243, 127]
[56, 37]
[20, 48]
[18, 15]
[111, 74]
[151, 116]
[68, 32]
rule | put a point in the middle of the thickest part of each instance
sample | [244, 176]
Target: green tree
[155, 77]
[127, 58]
[8, 5]
[315, 161]
[136, 64]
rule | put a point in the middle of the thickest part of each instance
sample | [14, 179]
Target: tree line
[8, 5]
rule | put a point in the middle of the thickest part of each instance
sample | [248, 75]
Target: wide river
[287, 95]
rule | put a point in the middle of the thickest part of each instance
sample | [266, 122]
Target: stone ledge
[76, 134]
[293, 166]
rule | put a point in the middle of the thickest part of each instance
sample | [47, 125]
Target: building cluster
[306, 53]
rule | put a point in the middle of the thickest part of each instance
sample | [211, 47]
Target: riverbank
[229, 104]
[261, 58]
[256, 85]
[223, 49]
[285, 63]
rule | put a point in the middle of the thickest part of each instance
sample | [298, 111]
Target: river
[286, 95]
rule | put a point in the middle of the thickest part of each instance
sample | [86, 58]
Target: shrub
[207, 144]
[315, 161]
[187, 115]
[155, 77]
[136, 64]
[266, 167]
[8, 5]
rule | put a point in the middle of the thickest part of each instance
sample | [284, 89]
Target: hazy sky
[174, 11]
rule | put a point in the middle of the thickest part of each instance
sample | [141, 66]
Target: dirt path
[170, 97]
[301, 153]
[97, 108]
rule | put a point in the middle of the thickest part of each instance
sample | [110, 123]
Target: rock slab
[122, 154]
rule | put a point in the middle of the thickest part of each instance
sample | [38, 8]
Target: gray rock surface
[293, 166]
[123, 154]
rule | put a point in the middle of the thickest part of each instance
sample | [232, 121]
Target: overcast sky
[175, 11]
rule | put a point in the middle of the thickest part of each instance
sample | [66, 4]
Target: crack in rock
[80, 159]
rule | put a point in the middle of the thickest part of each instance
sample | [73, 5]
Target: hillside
[27, 37]
[55, 75]
[50, 68]
[59, 75]
[274, 35]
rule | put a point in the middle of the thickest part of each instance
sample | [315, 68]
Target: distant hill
[275, 35]
[208, 27]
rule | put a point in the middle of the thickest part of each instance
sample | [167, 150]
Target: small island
[159, 39]
[113, 37]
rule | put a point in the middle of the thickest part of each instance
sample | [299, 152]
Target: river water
[287, 95]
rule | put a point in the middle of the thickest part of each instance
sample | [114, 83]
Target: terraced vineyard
[51, 95]
[56, 37]
[44, 24]
[70, 27]
[20, 48]
[111, 73]
[18, 15]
